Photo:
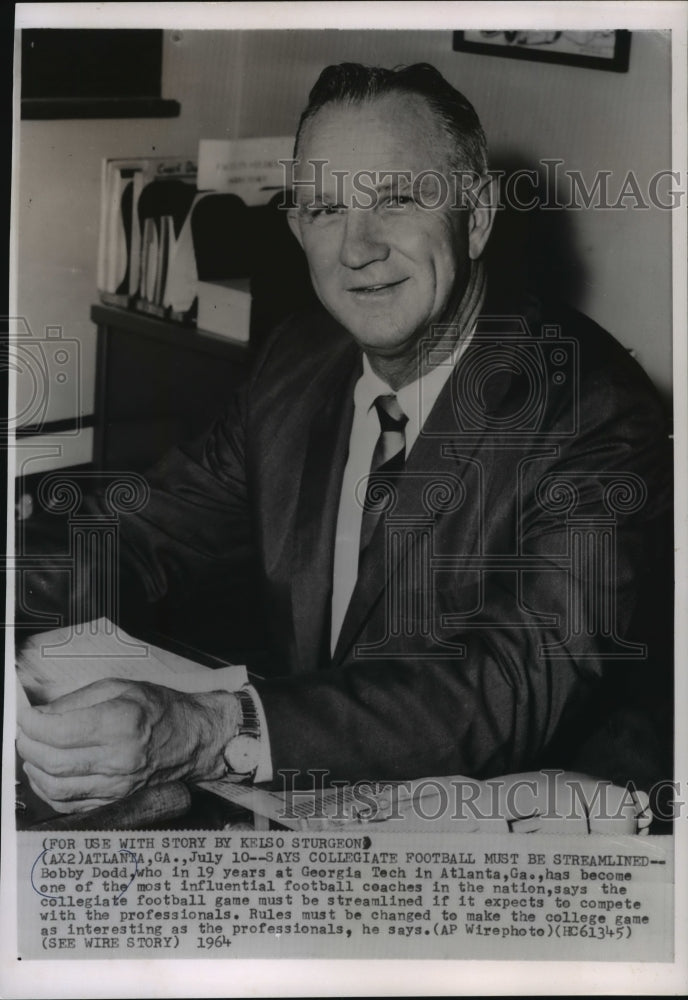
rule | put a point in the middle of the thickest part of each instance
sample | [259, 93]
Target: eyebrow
[394, 185]
[309, 197]
[313, 200]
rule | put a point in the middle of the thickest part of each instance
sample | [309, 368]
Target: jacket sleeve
[189, 534]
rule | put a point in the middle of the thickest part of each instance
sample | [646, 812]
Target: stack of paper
[55, 663]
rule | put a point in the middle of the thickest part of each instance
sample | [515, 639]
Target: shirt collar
[417, 398]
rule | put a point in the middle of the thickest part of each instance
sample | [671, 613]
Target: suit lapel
[316, 517]
[428, 458]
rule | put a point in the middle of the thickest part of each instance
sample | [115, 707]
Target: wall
[617, 263]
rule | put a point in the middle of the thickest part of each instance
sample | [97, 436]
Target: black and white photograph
[601, 49]
[347, 399]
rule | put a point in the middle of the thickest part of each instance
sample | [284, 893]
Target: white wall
[256, 82]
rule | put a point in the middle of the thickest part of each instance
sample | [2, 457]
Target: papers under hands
[56, 663]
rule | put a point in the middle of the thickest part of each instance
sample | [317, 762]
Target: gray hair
[355, 84]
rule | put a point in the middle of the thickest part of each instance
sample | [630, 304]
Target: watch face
[242, 754]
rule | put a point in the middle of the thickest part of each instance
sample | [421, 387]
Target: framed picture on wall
[591, 49]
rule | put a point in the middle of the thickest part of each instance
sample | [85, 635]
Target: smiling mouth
[376, 289]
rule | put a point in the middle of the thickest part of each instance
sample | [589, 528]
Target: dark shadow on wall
[533, 248]
[533, 244]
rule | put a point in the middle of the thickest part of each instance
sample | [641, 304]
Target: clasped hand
[109, 739]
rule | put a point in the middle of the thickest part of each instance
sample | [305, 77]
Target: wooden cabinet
[157, 383]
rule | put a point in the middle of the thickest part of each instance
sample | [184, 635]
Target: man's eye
[398, 201]
[323, 212]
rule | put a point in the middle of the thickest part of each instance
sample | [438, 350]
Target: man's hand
[110, 738]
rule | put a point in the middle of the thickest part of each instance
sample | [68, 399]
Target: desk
[157, 383]
[200, 811]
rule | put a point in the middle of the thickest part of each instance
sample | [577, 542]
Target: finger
[80, 761]
[80, 787]
[84, 697]
[67, 807]
[95, 725]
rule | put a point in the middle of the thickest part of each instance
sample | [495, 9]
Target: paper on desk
[387, 804]
[57, 662]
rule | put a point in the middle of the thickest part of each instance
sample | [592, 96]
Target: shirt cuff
[264, 769]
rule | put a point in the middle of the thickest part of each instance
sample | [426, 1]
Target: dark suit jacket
[504, 603]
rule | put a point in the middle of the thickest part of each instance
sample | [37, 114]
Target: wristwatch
[242, 753]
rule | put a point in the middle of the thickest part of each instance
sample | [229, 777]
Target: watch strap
[250, 723]
[242, 752]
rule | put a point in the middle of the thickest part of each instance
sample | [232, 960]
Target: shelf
[170, 333]
[50, 108]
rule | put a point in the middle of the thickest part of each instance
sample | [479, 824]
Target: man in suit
[453, 508]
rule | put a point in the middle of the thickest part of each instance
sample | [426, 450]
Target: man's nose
[363, 241]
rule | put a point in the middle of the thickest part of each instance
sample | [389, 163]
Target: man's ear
[482, 215]
[294, 224]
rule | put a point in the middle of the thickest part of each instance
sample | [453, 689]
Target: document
[55, 663]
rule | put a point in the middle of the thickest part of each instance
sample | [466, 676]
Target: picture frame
[597, 49]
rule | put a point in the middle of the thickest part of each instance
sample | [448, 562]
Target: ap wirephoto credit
[341, 437]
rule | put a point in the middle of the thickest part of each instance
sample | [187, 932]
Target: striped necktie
[387, 463]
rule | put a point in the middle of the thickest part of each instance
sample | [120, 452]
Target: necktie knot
[390, 414]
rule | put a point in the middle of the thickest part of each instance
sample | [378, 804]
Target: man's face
[384, 265]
